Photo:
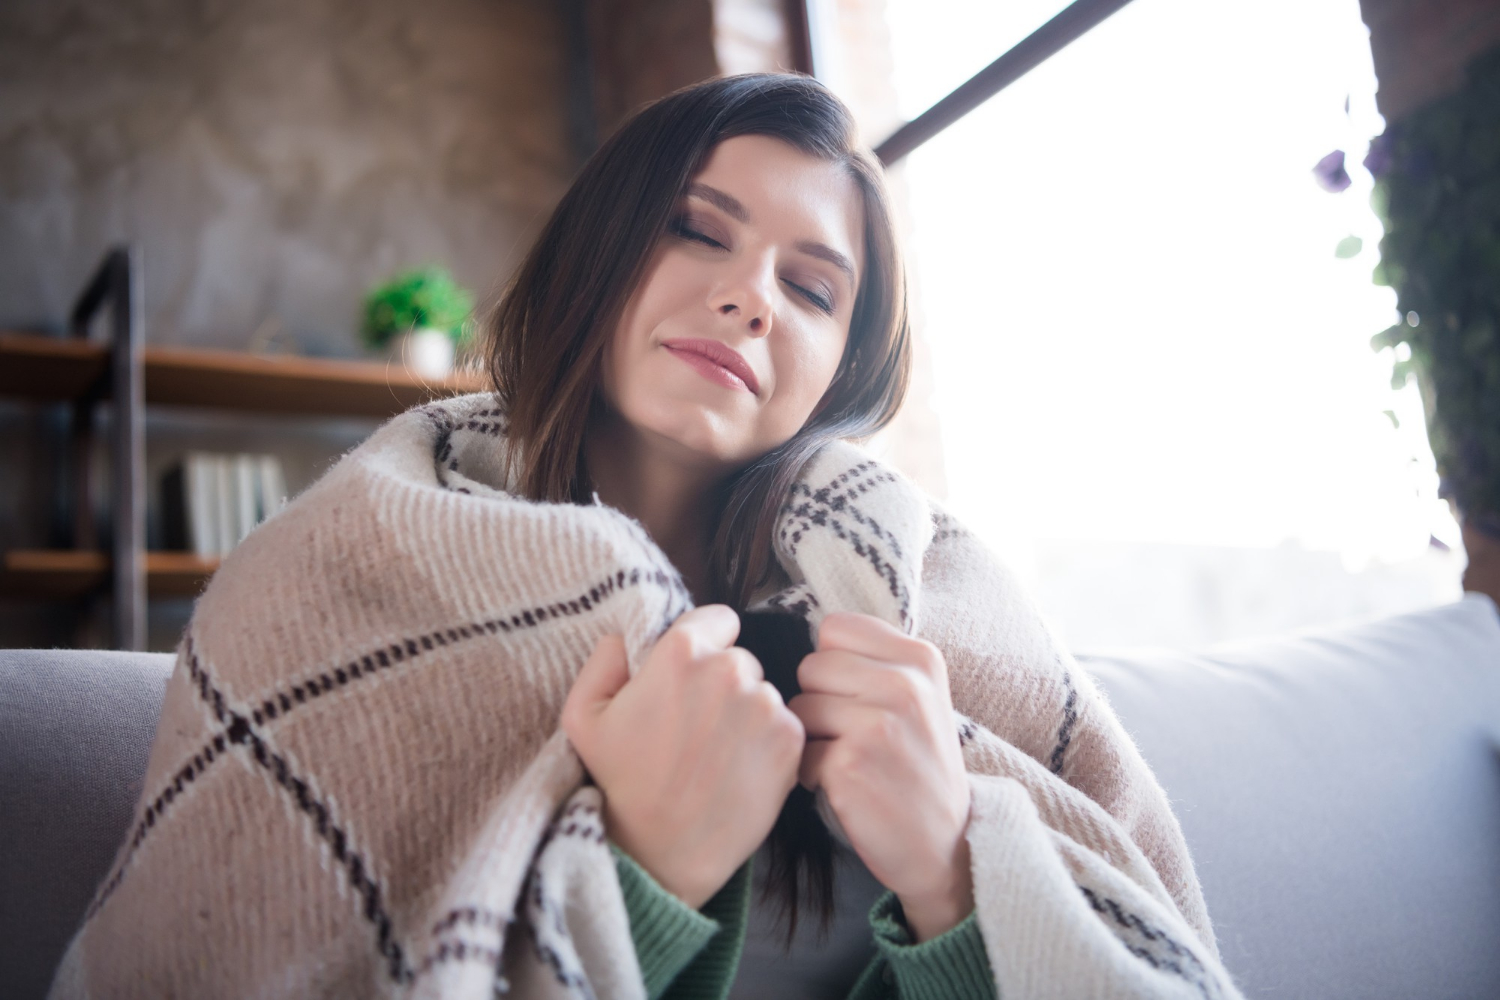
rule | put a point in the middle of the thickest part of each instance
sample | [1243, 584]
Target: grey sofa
[1340, 790]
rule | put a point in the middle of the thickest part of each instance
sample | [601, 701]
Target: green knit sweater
[688, 954]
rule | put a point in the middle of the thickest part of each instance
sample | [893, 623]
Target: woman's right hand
[695, 754]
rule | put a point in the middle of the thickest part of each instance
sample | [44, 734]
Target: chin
[701, 431]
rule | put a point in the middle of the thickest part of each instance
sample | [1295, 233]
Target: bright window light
[1153, 375]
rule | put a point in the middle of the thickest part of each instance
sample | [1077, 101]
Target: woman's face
[730, 340]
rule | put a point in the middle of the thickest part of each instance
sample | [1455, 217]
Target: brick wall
[1421, 47]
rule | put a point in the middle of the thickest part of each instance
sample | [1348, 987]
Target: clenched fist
[695, 754]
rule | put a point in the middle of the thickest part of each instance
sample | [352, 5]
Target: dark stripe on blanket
[840, 500]
[815, 512]
[239, 732]
[840, 503]
[945, 527]
[471, 916]
[1069, 720]
[283, 702]
[210, 752]
[1185, 965]
[459, 951]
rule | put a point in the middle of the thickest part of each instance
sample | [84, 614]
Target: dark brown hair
[547, 336]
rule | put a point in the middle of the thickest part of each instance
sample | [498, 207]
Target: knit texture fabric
[696, 953]
[693, 952]
[358, 786]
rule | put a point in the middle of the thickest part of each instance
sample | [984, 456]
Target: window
[1152, 375]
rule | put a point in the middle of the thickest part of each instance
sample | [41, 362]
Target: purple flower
[1382, 152]
[1330, 173]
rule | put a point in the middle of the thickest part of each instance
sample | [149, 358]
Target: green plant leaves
[1438, 196]
[1389, 337]
[413, 300]
[1349, 246]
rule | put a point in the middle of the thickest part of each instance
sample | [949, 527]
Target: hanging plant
[1437, 192]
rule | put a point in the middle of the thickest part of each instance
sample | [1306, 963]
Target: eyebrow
[720, 199]
[734, 208]
[823, 251]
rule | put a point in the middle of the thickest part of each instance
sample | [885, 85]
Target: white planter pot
[426, 353]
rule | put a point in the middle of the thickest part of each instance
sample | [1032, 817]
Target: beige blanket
[358, 787]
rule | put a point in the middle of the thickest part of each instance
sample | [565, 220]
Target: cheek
[812, 363]
[611, 364]
[623, 350]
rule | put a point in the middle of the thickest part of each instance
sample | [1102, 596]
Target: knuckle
[746, 663]
[728, 669]
[680, 640]
[811, 669]
[929, 658]
[723, 672]
[767, 699]
[906, 689]
[574, 723]
[787, 734]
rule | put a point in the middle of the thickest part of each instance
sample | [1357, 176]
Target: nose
[745, 294]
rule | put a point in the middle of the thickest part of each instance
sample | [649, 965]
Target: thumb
[603, 675]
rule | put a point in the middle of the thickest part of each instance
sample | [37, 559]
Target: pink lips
[715, 362]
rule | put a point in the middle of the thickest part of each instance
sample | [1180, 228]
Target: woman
[369, 778]
[726, 352]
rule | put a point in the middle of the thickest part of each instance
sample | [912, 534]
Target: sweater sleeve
[684, 952]
[951, 966]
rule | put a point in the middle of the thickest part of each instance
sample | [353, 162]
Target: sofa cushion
[1340, 793]
[75, 729]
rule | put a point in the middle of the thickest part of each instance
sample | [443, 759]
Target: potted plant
[420, 318]
[1438, 195]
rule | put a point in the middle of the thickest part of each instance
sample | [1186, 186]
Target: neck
[669, 491]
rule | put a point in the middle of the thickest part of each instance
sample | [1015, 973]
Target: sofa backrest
[75, 729]
[1340, 793]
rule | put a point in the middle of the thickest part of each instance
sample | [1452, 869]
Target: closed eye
[681, 229]
[822, 303]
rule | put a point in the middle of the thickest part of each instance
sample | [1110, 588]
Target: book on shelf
[210, 501]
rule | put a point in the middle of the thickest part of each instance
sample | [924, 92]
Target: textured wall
[272, 158]
[642, 49]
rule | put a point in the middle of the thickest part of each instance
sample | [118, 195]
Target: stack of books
[211, 502]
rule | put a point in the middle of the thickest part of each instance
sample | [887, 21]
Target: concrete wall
[271, 159]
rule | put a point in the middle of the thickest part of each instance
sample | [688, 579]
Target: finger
[737, 663]
[604, 673]
[814, 761]
[879, 640]
[711, 628]
[826, 716]
[838, 671]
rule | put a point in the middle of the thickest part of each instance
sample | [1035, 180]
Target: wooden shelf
[48, 574]
[55, 368]
[38, 367]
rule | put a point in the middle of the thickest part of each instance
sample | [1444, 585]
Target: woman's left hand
[882, 743]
